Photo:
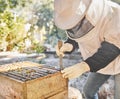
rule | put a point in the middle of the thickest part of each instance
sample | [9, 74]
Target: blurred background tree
[27, 25]
[12, 31]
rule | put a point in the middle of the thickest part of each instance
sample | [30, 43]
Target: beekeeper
[95, 26]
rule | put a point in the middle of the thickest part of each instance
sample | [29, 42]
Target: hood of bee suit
[95, 11]
[67, 13]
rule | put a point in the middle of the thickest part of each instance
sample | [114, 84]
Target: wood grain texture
[51, 85]
[61, 95]
[11, 89]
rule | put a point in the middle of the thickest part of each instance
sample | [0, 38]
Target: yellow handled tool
[60, 57]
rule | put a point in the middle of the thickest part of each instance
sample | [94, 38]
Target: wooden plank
[61, 95]
[47, 86]
[17, 65]
[39, 88]
[10, 89]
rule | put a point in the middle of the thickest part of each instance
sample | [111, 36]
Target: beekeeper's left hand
[75, 70]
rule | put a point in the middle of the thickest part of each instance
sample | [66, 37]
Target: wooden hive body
[51, 86]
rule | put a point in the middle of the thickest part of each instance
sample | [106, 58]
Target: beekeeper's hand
[66, 47]
[75, 70]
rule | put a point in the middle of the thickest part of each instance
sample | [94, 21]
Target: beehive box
[28, 80]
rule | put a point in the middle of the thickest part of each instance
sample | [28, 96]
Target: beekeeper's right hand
[66, 47]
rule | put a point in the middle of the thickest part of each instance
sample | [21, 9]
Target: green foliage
[37, 47]
[45, 19]
[37, 13]
[3, 5]
[11, 30]
[9, 4]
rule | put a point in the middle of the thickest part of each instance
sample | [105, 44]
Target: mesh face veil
[82, 28]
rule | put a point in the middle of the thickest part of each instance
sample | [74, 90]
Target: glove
[66, 47]
[75, 70]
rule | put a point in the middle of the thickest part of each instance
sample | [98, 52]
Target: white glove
[66, 47]
[75, 70]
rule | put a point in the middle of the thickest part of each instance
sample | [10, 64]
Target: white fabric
[107, 27]
[95, 11]
[69, 12]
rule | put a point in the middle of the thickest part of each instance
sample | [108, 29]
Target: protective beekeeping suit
[95, 26]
